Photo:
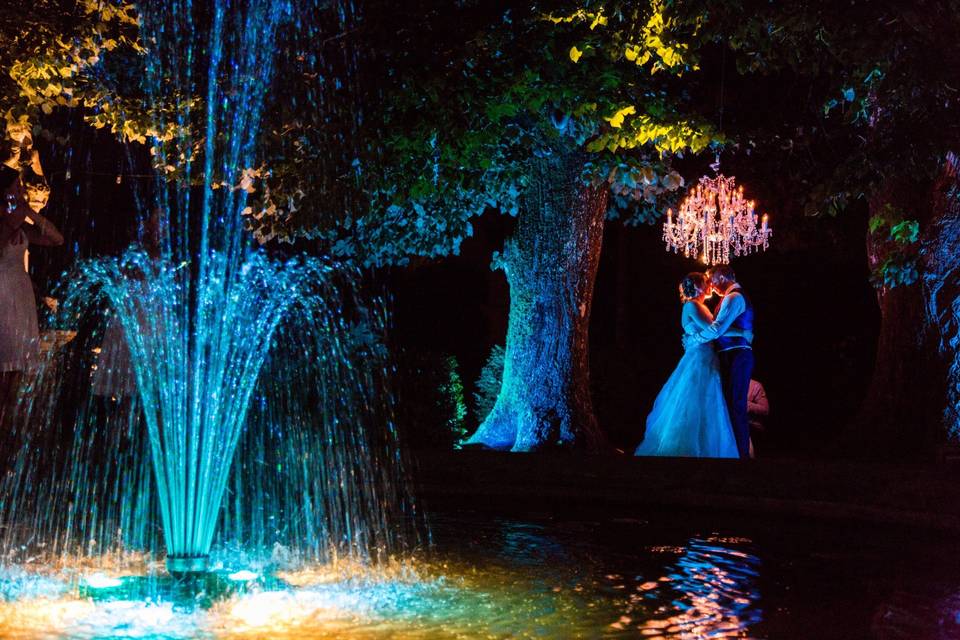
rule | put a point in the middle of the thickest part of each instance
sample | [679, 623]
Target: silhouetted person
[20, 227]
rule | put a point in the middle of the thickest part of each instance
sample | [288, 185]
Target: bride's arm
[731, 307]
[700, 315]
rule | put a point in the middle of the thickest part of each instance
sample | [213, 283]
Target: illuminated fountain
[200, 308]
[199, 320]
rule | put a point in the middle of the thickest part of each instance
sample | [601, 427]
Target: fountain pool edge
[915, 495]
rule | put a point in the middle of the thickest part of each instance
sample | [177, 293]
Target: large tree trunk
[912, 396]
[550, 263]
[941, 286]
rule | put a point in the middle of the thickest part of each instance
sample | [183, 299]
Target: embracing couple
[701, 411]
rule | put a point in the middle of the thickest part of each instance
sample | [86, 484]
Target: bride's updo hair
[692, 286]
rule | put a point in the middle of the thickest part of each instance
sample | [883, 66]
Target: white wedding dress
[690, 417]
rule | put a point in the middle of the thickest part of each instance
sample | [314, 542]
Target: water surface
[663, 575]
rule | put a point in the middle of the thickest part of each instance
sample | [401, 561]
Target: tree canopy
[393, 127]
[403, 127]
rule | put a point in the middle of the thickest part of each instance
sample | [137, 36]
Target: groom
[736, 354]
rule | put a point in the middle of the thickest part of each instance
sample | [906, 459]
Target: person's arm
[41, 232]
[757, 403]
[700, 315]
[731, 307]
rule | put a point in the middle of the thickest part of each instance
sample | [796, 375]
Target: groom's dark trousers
[736, 367]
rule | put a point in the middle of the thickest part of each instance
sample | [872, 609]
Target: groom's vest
[744, 322]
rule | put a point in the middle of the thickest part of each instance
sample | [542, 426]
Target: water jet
[231, 349]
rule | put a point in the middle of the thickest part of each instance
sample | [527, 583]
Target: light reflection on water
[493, 579]
[710, 590]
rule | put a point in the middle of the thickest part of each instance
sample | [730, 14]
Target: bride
[690, 416]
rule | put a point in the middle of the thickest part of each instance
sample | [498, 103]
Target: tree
[561, 114]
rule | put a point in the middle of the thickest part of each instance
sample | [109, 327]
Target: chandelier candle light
[713, 220]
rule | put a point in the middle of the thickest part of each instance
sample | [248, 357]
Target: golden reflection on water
[709, 591]
[706, 588]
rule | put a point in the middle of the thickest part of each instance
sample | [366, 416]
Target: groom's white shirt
[732, 305]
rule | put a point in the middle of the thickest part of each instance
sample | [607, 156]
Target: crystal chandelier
[714, 220]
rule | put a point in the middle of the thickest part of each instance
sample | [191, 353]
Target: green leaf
[906, 232]
[597, 144]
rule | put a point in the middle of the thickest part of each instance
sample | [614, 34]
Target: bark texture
[941, 286]
[913, 400]
[551, 264]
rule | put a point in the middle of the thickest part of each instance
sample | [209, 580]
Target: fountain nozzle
[183, 566]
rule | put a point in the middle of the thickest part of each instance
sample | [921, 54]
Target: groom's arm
[733, 305]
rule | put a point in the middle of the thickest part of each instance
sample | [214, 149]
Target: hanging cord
[723, 76]
[723, 80]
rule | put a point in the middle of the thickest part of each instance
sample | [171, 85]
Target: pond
[673, 574]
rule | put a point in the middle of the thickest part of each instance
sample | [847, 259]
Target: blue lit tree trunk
[550, 263]
[941, 285]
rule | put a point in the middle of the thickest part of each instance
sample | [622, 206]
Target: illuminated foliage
[897, 239]
[445, 136]
[654, 45]
[488, 384]
[50, 66]
[432, 408]
[453, 404]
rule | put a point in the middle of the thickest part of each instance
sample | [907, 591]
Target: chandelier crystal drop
[714, 221]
